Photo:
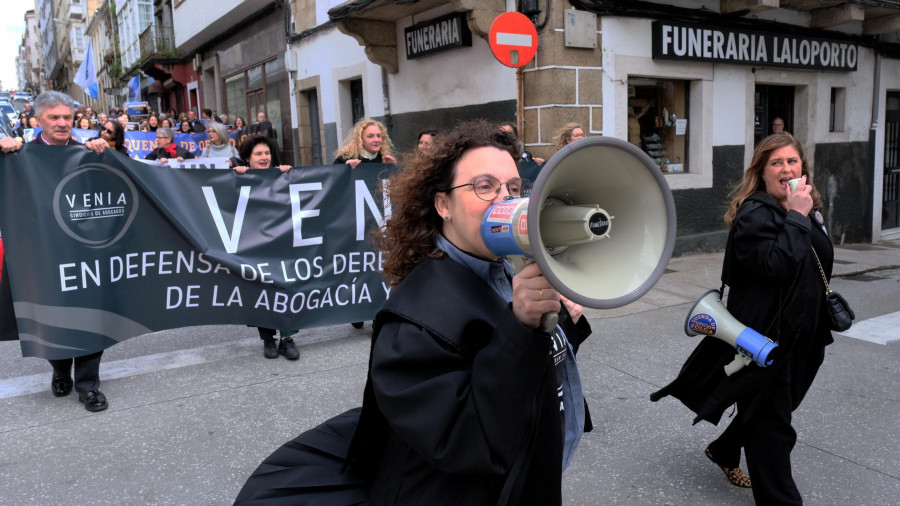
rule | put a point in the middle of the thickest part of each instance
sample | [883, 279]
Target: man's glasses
[107, 131]
[488, 187]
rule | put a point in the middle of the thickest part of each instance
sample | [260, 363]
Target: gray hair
[50, 99]
[220, 130]
[165, 132]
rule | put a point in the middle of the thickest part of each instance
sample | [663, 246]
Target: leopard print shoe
[735, 475]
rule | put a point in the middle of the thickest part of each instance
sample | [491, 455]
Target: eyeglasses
[577, 136]
[107, 131]
[488, 187]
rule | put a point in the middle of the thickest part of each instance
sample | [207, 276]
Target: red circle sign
[513, 39]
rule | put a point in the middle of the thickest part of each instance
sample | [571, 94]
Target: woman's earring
[447, 218]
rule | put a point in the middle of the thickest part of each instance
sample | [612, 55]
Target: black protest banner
[100, 248]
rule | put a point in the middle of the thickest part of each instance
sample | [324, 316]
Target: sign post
[513, 39]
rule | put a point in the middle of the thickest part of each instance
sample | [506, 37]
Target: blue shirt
[498, 275]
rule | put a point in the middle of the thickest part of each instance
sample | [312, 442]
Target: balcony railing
[158, 42]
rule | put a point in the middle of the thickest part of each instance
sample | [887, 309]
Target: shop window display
[658, 122]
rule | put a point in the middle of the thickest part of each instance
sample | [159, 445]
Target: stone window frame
[619, 69]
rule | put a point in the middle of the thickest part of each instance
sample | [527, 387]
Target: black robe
[470, 394]
[768, 265]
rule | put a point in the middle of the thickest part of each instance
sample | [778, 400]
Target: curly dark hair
[410, 234]
[251, 141]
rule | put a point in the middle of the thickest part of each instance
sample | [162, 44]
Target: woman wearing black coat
[468, 401]
[776, 288]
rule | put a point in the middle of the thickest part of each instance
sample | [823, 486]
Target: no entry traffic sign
[513, 39]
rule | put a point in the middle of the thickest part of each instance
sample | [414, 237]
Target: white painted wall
[725, 100]
[460, 77]
[198, 21]
[336, 57]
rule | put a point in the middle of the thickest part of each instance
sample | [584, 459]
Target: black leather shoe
[93, 400]
[357, 325]
[60, 387]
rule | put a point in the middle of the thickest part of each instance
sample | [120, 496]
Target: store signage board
[437, 35]
[513, 39]
[684, 41]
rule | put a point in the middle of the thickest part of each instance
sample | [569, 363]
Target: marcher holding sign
[219, 145]
[55, 113]
[114, 135]
[166, 147]
[257, 153]
[368, 142]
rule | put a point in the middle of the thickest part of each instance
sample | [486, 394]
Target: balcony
[76, 11]
[157, 41]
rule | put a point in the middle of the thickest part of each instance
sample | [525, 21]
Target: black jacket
[362, 159]
[161, 153]
[458, 390]
[768, 252]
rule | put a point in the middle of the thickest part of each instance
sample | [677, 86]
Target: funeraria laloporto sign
[680, 41]
[437, 35]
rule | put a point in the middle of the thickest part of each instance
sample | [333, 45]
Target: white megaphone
[708, 316]
[566, 225]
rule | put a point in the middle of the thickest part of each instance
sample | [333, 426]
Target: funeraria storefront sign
[680, 41]
[437, 35]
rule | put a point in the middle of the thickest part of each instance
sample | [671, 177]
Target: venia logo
[95, 204]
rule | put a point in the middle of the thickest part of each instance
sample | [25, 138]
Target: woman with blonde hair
[570, 132]
[368, 142]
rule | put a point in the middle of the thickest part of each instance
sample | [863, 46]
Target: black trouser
[767, 438]
[87, 371]
[266, 334]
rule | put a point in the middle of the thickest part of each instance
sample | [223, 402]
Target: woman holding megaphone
[776, 287]
[467, 400]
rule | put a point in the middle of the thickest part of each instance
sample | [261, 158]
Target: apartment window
[256, 89]
[837, 108]
[658, 120]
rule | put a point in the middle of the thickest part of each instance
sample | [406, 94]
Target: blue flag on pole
[134, 89]
[86, 77]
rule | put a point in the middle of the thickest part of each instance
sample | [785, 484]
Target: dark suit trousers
[767, 438]
[87, 371]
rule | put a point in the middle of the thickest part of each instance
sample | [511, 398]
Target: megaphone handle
[739, 362]
[548, 320]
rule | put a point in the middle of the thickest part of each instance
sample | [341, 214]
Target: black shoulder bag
[842, 315]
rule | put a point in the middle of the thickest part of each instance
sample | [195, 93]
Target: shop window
[837, 108]
[235, 97]
[658, 120]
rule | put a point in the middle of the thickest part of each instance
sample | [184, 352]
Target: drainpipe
[520, 102]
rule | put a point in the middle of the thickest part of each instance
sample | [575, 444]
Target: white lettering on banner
[364, 196]
[297, 214]
[351, 263]
[133, 266]
[341, 295]
[229, 241]
[234, 300]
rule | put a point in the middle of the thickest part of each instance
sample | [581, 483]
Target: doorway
[772, 102]
[256, 103]
[890, 199]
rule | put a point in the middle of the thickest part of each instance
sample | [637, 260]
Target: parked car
[9, 111]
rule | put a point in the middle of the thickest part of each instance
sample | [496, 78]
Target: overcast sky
[12, 26]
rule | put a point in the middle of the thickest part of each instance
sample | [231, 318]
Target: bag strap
[822, 271]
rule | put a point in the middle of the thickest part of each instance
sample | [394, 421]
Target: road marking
[879, 330]
[34, 383]
[514, 39]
